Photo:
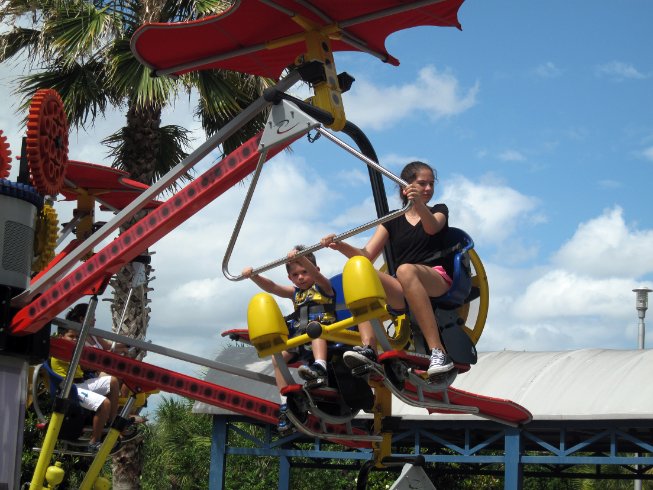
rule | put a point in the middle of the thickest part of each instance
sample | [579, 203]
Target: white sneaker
[440, 363]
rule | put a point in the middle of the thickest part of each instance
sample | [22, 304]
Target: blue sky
[537, 116]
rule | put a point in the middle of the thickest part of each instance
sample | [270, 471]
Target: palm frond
[174, 10]
[17, 40]
[80, 86]
[127, 76]
[224, 94]
[78, 30]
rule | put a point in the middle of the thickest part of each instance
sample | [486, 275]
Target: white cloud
[547, 70]
[619, 70]
[434, 94]
[582, 299]
[605, 247]
[511, 156]
[648, 153]
[561, 292]
[490, 212]
[354, 177]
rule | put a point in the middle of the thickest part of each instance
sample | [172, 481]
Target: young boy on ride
[95, 393]
[414, 238]
[313, 298]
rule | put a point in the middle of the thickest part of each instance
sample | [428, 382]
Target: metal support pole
[284, 473]
[641, 305]
[218, 467]
[513, 468]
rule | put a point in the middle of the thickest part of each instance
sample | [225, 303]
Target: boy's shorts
[91, 392]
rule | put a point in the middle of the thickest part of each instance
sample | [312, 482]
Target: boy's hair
[75, 314]
[309, 256]
[61, 330]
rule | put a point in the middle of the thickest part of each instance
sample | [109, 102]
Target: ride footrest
[420, 362]
[322, 413]
[320, 382]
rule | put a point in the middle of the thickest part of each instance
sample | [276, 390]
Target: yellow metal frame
[366, 300]
[47, 449]
[327, 94]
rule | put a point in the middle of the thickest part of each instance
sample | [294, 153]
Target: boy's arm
[320, 279]
[268, 285]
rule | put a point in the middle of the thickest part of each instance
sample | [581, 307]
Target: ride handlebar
[317, 246]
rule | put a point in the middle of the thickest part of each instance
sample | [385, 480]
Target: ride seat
[461, 291]
[56, 382]
[76, 417]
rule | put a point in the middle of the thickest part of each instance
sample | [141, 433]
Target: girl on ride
[414, 238]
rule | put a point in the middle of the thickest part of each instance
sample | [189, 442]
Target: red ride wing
[239, 38]
[110, 186]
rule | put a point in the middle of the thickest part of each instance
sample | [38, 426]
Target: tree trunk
[127, 466]
[129, 308]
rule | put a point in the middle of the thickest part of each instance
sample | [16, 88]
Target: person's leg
[100, 420]
[368, 337]
[278, 375]
[283, 424]
[393, 290]
[319, 347]
[107, 386]
[420, 283]
[367, 351]
[97, 403]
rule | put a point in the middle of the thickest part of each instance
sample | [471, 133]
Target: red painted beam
[141, 376]
[161, 221]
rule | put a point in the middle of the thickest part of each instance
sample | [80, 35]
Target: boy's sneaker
[358, 356]
[440, 363]
[94, 447]
[312, 372]
[283, 425]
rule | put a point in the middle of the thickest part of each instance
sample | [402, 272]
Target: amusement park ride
[296, 39]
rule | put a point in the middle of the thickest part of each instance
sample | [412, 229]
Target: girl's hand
[328, 242]
[412, 192]
[247, 272]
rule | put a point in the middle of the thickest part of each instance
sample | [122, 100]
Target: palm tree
[81, 49]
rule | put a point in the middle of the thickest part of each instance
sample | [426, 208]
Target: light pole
[641, 303]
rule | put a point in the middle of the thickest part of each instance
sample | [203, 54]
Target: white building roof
[586, 384]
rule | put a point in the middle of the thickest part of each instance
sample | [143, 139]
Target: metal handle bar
[79, 347]
[317, 246]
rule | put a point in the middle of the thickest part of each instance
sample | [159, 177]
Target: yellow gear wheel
[474, 313]
[45, 237]
[477, 309]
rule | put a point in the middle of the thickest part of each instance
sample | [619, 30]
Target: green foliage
[177, 456]
[75, 467]
[177, 447]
